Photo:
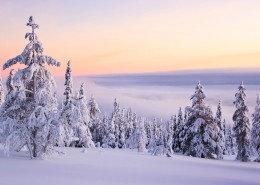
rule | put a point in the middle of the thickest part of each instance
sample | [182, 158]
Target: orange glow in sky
[132, 36]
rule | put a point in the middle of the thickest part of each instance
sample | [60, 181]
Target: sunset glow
[105, 37]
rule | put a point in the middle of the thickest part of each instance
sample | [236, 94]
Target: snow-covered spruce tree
[230, 141]
[160, 133]
[255, 133]
[75, 122]
[93, 108]
[67, 116]
[178, 137]
[29, 112]
[130, 123]
[110, 140]
[241, 125]
[221, 133]
[81, 126]
[116, 118]
[164, 138]
[202, 131]
[149, 129]
[141, 136]
[94, 119]
[169, 133]
[68, 86]
[122, 129]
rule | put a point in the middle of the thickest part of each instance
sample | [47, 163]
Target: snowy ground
[112, 167]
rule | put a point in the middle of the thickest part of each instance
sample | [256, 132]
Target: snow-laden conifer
[255, 133]
[242, 125]
[152, 134]
[111, 137]
[130, 123]
[29, 112]
[140, 134]
[68, 85]
[81, 126]
[178, 133]
[221, 134]
[68, 113]
[93, 108]
[202, 131]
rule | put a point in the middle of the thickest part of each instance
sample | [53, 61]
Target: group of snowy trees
[75, 116]
[29, 113]
[30, 117]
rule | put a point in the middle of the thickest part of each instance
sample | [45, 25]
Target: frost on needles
[29, 113]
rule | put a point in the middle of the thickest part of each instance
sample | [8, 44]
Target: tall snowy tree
[130, 123]
[68, 85]
[178, 136]
[241, 125]
[81, 128]
[255, 134]
[168, 135]
[152, 135]
[109, 140]
[117, 122]
[141, 138]
[68, 113]
[122, 122]
[221, 134]
[29, 112]
[202, 131]
[111, 137]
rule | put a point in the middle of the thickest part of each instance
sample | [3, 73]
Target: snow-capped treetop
[116, 106]
[68, 85]
[219, 112]
[240, 98]
[198, 97]
[32, 24]
[32, 53]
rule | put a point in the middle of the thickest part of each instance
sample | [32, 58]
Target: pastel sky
[132, 36]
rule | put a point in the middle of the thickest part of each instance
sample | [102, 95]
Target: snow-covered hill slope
[120, 167]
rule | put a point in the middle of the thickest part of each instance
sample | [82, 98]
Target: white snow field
[123, 167]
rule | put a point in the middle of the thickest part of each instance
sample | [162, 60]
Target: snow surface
[100, 166]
